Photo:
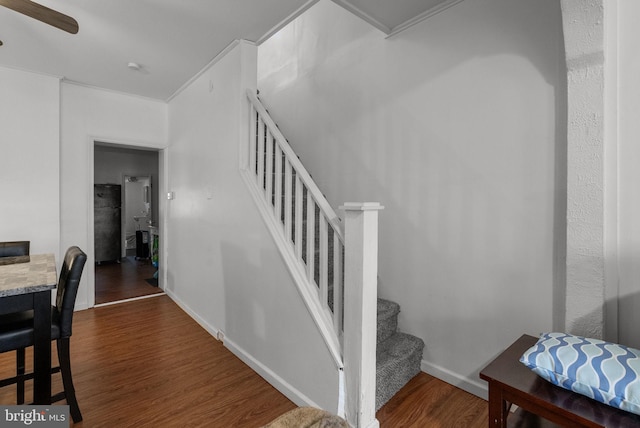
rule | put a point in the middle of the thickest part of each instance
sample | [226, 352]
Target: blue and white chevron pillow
[604, 371]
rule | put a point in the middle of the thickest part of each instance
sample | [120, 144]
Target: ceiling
[171, 40]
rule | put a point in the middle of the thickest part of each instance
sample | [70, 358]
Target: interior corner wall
[586, 167]
[89, 114]
[30, 149]
[224, 267]
[628, 86]
[456, 126]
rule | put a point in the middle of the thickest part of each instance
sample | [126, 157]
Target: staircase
[398, 355]
[311, 239]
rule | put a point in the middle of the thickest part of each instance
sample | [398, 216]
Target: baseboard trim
[476, 388]
[215, 332]
[130, 299]
[276, 381]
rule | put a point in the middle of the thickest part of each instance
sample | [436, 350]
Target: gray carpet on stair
[387, 319]
[399, 355]
[398, 361]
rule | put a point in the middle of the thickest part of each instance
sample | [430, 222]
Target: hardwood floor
[124, 280]
[429, 402]
[146, 363]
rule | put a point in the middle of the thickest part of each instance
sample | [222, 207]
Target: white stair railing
[313, 246]
[303, 217]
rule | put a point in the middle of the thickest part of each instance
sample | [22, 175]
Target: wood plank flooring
[124, 280]
[429, 402]
[146, 363]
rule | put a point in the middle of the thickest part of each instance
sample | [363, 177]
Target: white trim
[459, 381]
[90, 265]
[424, 15]
[400, 27]
[612, 173]
[131, 299]
[113, 91]
[272, 378]
[286, 21]
[206, 68]
[303, 174]
[341, 394]
[212, 330]
[90, 270]
[360, 296]
[320, 316]
[363, 15]
[276, 381]
[235, 42]
[39, 73]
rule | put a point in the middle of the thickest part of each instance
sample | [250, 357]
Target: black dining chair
[16, 332]
[14, 248]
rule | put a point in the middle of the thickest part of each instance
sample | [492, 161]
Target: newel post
[360, 308]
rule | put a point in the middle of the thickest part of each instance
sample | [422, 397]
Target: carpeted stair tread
[387, 319]
[398, 361]
[387, 308]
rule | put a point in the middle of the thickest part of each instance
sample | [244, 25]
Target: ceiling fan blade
[42, 13]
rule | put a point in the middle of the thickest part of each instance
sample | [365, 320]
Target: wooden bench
[540, 403]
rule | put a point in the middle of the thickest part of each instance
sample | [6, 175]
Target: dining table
[26, 284]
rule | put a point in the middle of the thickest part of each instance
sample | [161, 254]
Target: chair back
[68, 284]
[14, 248]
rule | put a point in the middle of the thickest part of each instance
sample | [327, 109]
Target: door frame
[162, 207]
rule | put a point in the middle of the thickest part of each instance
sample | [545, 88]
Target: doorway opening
[126, 222]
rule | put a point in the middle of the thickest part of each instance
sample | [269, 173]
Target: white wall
[224, 268]
[89, 115]
[455, 126]
[629, 174]
[587, 205]
[29, 152]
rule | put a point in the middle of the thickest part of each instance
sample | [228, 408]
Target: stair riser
[387, 319]
[389, 380]
[386, 328]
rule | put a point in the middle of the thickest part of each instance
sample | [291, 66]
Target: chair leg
[65, 368]
[20, 359]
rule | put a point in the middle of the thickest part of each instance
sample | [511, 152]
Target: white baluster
[278, 184]
[311, 238]
[298, 216]
[269, 176]
[323, 276]
[288, 190]
[253, 135]
[260, 155]
[337, 282]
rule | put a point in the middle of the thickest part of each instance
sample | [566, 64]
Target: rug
[307, 417]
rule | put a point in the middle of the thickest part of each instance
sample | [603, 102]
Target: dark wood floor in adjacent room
[146, 363]
[127, 279]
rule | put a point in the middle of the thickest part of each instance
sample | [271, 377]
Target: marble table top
[21, 278]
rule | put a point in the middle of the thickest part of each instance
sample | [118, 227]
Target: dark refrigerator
[107, 222]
